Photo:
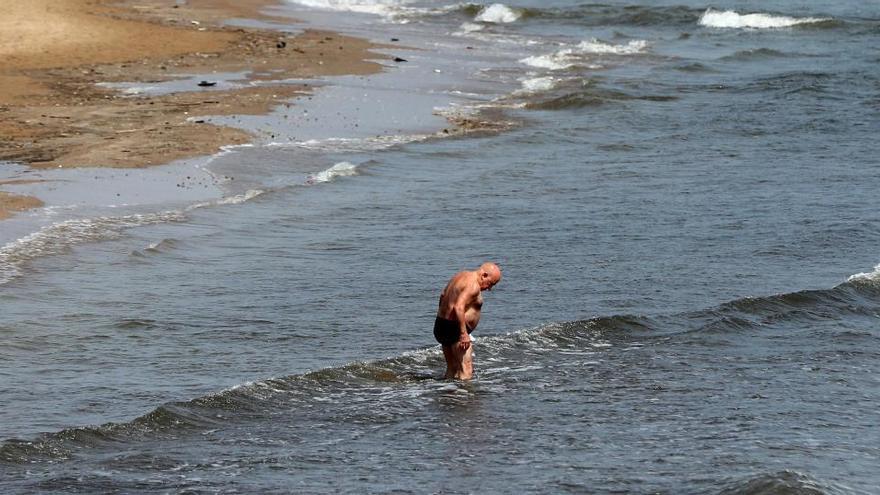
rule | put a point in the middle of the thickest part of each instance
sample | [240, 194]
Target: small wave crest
[235, 199]
[60, 237]
[603, 14]
[469, 28]
[498, 13]
[377, 7]
[585, 14]
[596, 46]
[341, 169]
[577, 55]
[395, 11]
[163, 245]
[781, 482]
[354, 144]
[755, 54]
[873, 276]
[733, 20]
[549, 93]
[538, 85]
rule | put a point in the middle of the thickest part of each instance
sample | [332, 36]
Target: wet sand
[54, 52]
[11, 203]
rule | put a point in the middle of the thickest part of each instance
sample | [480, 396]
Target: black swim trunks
[447, 331]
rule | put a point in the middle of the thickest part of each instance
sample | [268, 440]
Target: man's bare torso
[462, 283]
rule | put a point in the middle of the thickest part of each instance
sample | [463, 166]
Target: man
[458, 316]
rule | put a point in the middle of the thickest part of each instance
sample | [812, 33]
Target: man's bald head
[489, 274]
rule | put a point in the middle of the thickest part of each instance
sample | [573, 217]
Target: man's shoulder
[471, 280]
[465, 279]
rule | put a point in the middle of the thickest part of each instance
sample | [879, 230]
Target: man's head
[489, 274]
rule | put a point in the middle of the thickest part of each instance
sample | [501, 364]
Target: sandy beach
[55, 52]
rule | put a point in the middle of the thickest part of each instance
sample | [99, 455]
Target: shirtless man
[458, 316]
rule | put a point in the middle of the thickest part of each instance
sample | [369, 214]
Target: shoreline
[56, 115]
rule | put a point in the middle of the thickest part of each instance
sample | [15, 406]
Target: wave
[582, 100]
[385, 8]
[755, 54]
[498, 13]
[733, 20]
[336, 144]
[238, 403]
[572, 93]
[235, 199]
[581, 53]
[396, 11]
[538, 85]
[627, 15]
[694, 67]
[417, 372]
[160, 246]
[781, 482]
[60, 237]
[341, 169]
[589, 14]
[792, 82]
[873, 276]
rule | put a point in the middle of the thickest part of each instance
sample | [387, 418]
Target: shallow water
[677, 212]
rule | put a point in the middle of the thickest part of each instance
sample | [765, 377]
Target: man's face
[487, 281]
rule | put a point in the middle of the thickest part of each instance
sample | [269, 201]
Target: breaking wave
[580, 54]
[538, 84]
[733, 20]
[385, 8]
[341, 169]
[873, 276]
[588, 15]
[584, 15]
[355, 144]
[498, 13]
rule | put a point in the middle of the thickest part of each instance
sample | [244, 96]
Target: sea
[682, 197]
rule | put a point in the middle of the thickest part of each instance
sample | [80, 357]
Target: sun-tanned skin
[460, 303]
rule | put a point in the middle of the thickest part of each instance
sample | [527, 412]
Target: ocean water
[682, 197]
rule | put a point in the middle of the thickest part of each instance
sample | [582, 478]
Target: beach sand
[53, 52]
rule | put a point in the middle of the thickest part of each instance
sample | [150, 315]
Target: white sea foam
[552, 61]
[228, 200]
[596, 46]
[875, 275]
[385, 8]
[731, 19]
[538, 84]
[353, 144]
[568, 57]
[470, 27]
[341, 169]
[240, 198]
[498, 13]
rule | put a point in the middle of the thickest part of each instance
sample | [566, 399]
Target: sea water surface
[682, 197]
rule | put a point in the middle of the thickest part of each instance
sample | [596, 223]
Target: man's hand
[464, 342]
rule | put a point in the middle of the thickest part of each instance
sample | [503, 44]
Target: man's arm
[465, 296]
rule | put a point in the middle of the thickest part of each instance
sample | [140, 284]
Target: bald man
[458, 316]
